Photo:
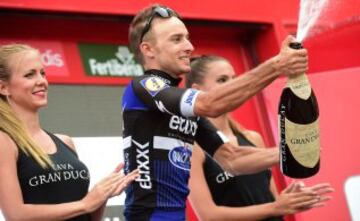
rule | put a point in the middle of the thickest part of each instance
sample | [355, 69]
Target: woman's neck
[222, 124]
[30, 120]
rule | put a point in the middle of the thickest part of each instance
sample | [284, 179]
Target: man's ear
[147, 49]
[4, 88]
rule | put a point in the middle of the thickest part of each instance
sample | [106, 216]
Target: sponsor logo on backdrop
[52, 58]
[52, 55]
[109, 60]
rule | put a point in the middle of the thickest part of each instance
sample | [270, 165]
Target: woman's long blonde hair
[9, 122]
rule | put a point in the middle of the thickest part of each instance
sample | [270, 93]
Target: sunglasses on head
[163, 12]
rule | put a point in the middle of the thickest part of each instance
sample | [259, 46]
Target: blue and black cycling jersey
[160, 128]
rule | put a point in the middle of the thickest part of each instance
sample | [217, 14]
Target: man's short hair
[139, 23]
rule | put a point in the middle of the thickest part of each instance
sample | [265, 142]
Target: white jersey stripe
[166, 143]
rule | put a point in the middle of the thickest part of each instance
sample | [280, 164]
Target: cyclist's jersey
[160, 128]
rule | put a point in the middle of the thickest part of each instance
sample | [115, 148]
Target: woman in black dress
[217, 195]
[41, 177]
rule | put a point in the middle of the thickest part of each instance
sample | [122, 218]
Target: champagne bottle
[299, 127]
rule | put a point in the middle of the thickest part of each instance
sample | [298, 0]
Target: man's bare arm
[231, 95]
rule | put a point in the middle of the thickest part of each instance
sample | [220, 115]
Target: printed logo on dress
[153, 85]
[223, 177]
[59, 173]
[180, 157]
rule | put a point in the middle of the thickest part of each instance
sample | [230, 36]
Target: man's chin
[186, 70]
[182, 70]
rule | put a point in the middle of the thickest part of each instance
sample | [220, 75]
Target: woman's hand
[125, 181]
[321, 189]
[297, 197]
[110, 186]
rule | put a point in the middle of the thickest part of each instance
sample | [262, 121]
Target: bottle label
[300, 86]
[303, 141]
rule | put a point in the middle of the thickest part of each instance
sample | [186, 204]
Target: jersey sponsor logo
[190, 98]
[180, 157]
[183, 125]
[188, 102]
[143, 161]
[160, 105]
[153, 85]
[223, 177]
[163, 79]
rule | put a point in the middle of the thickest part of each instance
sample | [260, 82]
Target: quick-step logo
[180, 157]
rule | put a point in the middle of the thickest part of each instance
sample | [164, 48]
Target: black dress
[66, 181]
[238, 191]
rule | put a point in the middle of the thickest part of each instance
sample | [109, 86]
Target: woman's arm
[11, 200]
[119, 187]
[258, 141]
[203, 204]
[98, 213]
[239, 160]
[292, 199]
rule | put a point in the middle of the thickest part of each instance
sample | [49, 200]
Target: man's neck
[155, 67]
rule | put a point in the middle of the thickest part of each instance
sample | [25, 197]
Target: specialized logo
[180, 157]
[153, 85]
[187, 102]
[190, 98]
[183, 125]
[160, 105]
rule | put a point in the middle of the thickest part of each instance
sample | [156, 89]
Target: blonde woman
[41, 175]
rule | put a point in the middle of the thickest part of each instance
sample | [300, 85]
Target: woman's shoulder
[254, 137]
[7, 144]
[67, 140]
[198, 154]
